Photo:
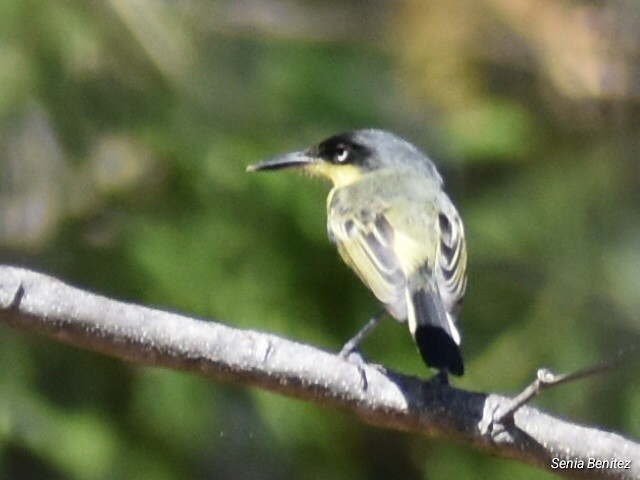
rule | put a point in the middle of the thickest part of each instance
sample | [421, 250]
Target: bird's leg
[350, 349]
[368, 327]
[442, 377]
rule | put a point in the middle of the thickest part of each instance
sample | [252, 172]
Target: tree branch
[35, 302]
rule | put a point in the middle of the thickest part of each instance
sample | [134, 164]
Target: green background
[125, 130]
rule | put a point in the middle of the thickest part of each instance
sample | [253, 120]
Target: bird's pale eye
[341, 154]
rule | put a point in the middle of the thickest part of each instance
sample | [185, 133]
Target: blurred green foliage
[125, 128]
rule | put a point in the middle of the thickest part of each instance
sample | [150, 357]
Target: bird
[396, 228]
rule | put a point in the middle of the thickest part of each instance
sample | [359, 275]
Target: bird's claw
[355, 358]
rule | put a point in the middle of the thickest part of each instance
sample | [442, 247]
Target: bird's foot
[354, 357]
[442, 377]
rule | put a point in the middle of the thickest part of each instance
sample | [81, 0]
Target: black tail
[433, 330]
[438, 350]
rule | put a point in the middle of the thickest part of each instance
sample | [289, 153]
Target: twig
[545, 379]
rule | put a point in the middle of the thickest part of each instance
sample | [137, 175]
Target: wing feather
[451, 266]
[365, 242]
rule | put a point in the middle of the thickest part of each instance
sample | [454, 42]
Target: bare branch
[545, 378]
[35, 302]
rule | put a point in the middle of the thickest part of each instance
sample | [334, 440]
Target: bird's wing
[365, 240]
[451, 264]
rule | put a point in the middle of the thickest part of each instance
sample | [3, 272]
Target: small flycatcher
[394, 225]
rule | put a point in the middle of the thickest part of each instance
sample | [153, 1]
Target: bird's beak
[288, 160]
